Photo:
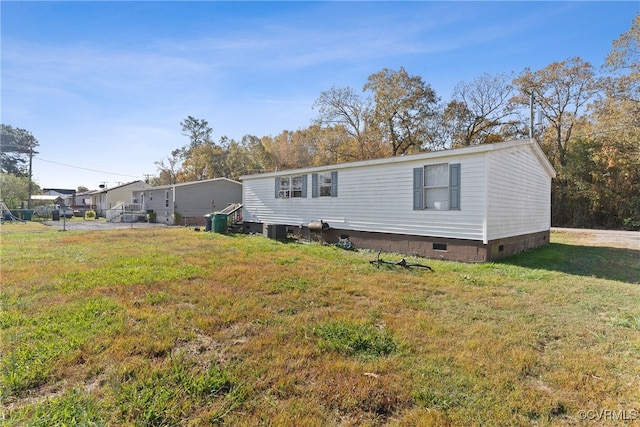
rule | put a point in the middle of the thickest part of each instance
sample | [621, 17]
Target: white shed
[471, 204]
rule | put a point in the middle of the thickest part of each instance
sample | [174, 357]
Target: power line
[86, 169]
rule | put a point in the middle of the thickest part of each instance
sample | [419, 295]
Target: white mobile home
[192, 200]
[470, 204]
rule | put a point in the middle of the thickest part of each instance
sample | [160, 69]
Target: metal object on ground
[402, 263]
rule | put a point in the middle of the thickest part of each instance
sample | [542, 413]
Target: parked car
[65, 211]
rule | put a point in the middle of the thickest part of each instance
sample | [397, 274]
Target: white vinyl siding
[372, 198]
[378, 195]
[518, 194]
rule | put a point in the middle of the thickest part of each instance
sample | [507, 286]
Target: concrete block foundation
[422, 246]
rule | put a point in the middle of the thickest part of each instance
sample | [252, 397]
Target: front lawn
[168, 326]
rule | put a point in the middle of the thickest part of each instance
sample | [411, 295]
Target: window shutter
[314, 185]
[334, 184]
[454, 186]
[304, 185]
[417, 188]
[277, 187]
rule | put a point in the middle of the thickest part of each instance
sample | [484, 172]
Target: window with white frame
[437, 187]
[291, 186]
[166, 198]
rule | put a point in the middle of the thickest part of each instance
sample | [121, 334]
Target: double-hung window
[437, 187]
[324, 184]
[291, 186]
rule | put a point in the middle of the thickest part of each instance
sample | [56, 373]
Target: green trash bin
[27, 214]
[220, 223]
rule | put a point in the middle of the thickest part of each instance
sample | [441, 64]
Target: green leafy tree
[14, 190]
[199, 134]
[16, 147]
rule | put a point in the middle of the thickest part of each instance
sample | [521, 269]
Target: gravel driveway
[615, 238]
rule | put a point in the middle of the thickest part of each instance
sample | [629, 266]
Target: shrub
[177, 218]
[90, 214]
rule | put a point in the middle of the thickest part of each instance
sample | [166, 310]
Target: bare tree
[561, 91]
[479, 111]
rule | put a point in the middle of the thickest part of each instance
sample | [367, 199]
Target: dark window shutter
[304, 186]
[418, 188]
[334, 184]
[277, 187]
[314, 185]
[454, 186]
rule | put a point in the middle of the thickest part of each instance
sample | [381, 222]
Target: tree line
[587, 121]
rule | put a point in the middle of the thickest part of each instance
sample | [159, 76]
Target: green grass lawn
[175, 327]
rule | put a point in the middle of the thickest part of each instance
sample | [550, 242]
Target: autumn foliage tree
[403, 107]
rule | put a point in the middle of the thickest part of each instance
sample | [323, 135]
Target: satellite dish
[101, 186]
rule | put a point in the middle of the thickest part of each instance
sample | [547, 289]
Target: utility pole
[531, 134]
[30, 171]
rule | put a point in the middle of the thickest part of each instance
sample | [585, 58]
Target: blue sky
[103, 86]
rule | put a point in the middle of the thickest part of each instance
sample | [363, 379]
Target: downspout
[485, 216]
[173, 201]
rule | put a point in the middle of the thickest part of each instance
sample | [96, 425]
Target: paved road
[616, 238]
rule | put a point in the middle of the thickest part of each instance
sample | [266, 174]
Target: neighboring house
[192, 200]
[82, 201]
[471, 204]
[66, 195]
[109, 198]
